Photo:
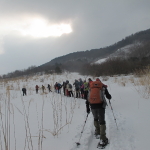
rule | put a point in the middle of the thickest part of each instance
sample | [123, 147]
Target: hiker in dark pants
[59, 88]
[56, 87]
[37, 88]
[64, 87]
[43, 88]
[77, 88]
[86, 89]
[96, 99]
[69, 88]
[24, 91]
[82, 91]
[49, 88]
[67, 92]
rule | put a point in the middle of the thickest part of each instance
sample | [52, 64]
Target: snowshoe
[102, 144]
[97, 136]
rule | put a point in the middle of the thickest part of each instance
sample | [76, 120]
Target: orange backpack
[95, 94]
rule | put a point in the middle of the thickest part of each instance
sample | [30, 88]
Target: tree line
[137, 58]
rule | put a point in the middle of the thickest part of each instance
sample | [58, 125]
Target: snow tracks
[121, 139]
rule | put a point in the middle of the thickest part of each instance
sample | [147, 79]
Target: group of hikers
[24, 90]
[43, 88]
[94, 92]
[81, 88]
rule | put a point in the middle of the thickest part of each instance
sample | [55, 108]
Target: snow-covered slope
[122, 52]
[35, 118]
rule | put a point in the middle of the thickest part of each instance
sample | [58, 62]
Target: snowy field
[51, 121]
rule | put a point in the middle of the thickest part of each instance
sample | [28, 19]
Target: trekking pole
[78, 143]
[113, 113]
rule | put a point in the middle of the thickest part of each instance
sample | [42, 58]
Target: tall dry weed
[57, 105]
[142, 83]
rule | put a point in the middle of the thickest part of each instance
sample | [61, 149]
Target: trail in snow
[121, 139]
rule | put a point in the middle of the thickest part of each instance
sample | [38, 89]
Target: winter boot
[82, 96]
[97, 129]
[102, 144]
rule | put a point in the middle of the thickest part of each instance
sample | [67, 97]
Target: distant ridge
[95, 54]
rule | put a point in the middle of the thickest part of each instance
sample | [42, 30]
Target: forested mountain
[95, 54]
[82, 62]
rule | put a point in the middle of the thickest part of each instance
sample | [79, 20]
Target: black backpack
[70, 86]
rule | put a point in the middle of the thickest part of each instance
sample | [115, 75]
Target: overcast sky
[33, 32]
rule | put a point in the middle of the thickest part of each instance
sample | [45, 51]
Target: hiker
[69, 88]
[56, 87]
[82, 91]
[98, 105]
[24, 91]
[86, 89]
[64, 87]
[89, 82]
[59, 86]
[43, 88]
[49, 88]
[67, 92]
[77, 88]
[37, 88]
[80, 82]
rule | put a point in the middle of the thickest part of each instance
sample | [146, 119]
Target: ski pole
[78, 143]
[113, 113]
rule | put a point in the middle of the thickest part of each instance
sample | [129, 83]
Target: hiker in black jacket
[77, 88]
[49, 88]
[64, 87]
[24, 91]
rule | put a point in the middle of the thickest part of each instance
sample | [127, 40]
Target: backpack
[96, 94]
[59, 85]
[81, 83]
[70, 86]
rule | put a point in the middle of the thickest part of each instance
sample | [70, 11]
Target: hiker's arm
[108, 96]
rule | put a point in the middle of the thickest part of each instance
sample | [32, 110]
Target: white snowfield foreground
[36, 119]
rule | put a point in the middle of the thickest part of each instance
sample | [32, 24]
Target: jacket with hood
[68, 88]
[77, 85]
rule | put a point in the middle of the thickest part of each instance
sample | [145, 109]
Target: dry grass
[5, 121]
[121, 81]
[131, 79]
[57, 105]
[61, 118]
[142, 83]
[105, 78]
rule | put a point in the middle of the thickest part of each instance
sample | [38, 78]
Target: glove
[108, 96]
[87, 109]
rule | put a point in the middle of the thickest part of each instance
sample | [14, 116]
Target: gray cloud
[95, 24]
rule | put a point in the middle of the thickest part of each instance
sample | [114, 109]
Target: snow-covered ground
[32, 122]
